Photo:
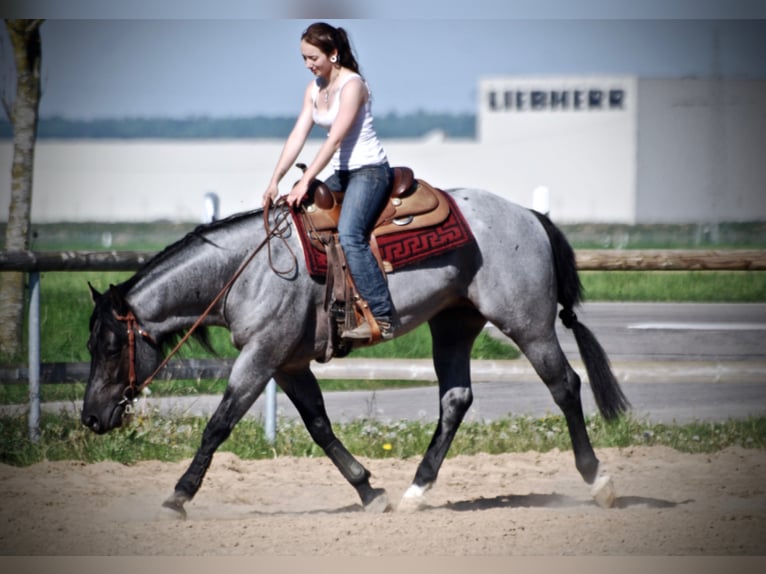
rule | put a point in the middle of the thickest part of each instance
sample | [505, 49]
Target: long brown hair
[328, 39]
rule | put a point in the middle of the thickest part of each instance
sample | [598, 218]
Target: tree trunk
[27, 52]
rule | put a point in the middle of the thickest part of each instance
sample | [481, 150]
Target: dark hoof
[588, 470]
[176, 503]
[377, 502]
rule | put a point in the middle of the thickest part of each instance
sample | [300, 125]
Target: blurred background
[616, 123]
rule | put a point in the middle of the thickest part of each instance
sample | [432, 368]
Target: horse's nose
[92, 422]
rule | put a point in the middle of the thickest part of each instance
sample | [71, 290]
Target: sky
[156, 64]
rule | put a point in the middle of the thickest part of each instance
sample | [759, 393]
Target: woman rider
[340, 100]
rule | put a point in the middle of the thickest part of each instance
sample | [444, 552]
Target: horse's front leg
[245, 385]
[303, 390]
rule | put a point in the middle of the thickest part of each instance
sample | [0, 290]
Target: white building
[607, 149]
[632, 150]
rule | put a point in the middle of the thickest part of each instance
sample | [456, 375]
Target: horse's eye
[106, 346]
[112, 348]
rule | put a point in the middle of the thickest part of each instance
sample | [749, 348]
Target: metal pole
[34, 356]
[270, 422]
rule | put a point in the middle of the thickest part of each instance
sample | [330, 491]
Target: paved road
[673, 331]
[675, 363]
[656, 402]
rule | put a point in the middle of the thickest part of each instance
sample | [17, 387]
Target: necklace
[327, 90]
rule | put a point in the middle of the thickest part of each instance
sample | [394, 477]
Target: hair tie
[568, 317]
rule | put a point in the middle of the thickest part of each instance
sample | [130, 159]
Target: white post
[541, 200]
[34, 356]
[270, 422]
[210, 207]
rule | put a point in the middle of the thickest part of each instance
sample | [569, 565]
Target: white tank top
[361, 146]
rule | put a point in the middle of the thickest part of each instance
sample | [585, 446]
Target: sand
[668, 503]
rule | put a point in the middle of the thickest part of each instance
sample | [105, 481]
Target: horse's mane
[199, 233]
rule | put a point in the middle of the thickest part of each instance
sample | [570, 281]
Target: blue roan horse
[514, 275]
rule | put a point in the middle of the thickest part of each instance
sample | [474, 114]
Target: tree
[27, 55]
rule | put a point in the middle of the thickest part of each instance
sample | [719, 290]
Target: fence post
[210, 208]
[34, 356]
[541, 200]
[270, 420]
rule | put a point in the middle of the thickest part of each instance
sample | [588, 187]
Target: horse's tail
[609, 397]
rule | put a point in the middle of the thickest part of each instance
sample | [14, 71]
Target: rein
[132, 325]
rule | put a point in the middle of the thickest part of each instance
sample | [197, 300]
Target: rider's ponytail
[328, 39]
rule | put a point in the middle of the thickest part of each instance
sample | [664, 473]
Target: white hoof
[603, 491]
[414, 499]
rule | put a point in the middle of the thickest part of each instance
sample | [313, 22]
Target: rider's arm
[352, 97]
[293, 145]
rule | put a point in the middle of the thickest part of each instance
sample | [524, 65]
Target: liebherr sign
[523, 99]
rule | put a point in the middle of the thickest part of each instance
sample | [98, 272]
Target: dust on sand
[668, 503]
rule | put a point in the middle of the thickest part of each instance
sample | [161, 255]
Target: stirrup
[363, 332]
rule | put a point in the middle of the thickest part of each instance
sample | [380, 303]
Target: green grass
[66, 308]
[669, 286]
[154, 437]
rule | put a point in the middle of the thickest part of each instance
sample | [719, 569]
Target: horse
[514, 274]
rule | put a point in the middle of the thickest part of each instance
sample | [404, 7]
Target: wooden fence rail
[587, 260]
[671, 260]
[177, 369]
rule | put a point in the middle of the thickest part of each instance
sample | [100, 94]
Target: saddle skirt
[417, 222]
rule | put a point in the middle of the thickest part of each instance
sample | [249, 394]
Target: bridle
[133, 390]
[132, 326]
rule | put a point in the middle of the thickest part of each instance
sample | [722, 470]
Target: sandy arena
[668, 503]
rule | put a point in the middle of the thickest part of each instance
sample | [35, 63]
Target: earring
[334, 59]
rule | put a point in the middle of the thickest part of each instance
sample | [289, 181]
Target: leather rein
[131, 322]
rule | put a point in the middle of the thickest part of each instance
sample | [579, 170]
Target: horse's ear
[94, 294]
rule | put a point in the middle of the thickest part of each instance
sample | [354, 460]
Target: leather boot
[364, 333]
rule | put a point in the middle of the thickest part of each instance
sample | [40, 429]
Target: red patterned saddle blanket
[427, 223]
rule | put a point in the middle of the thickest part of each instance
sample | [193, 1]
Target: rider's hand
[298, 193]
[270, 195]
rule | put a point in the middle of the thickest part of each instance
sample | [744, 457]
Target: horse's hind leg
[303, 390]
[548, 360]
[453, 332]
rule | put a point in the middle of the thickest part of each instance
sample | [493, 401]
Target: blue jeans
[366, 191]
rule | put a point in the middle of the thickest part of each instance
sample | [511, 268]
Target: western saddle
[412, 204]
